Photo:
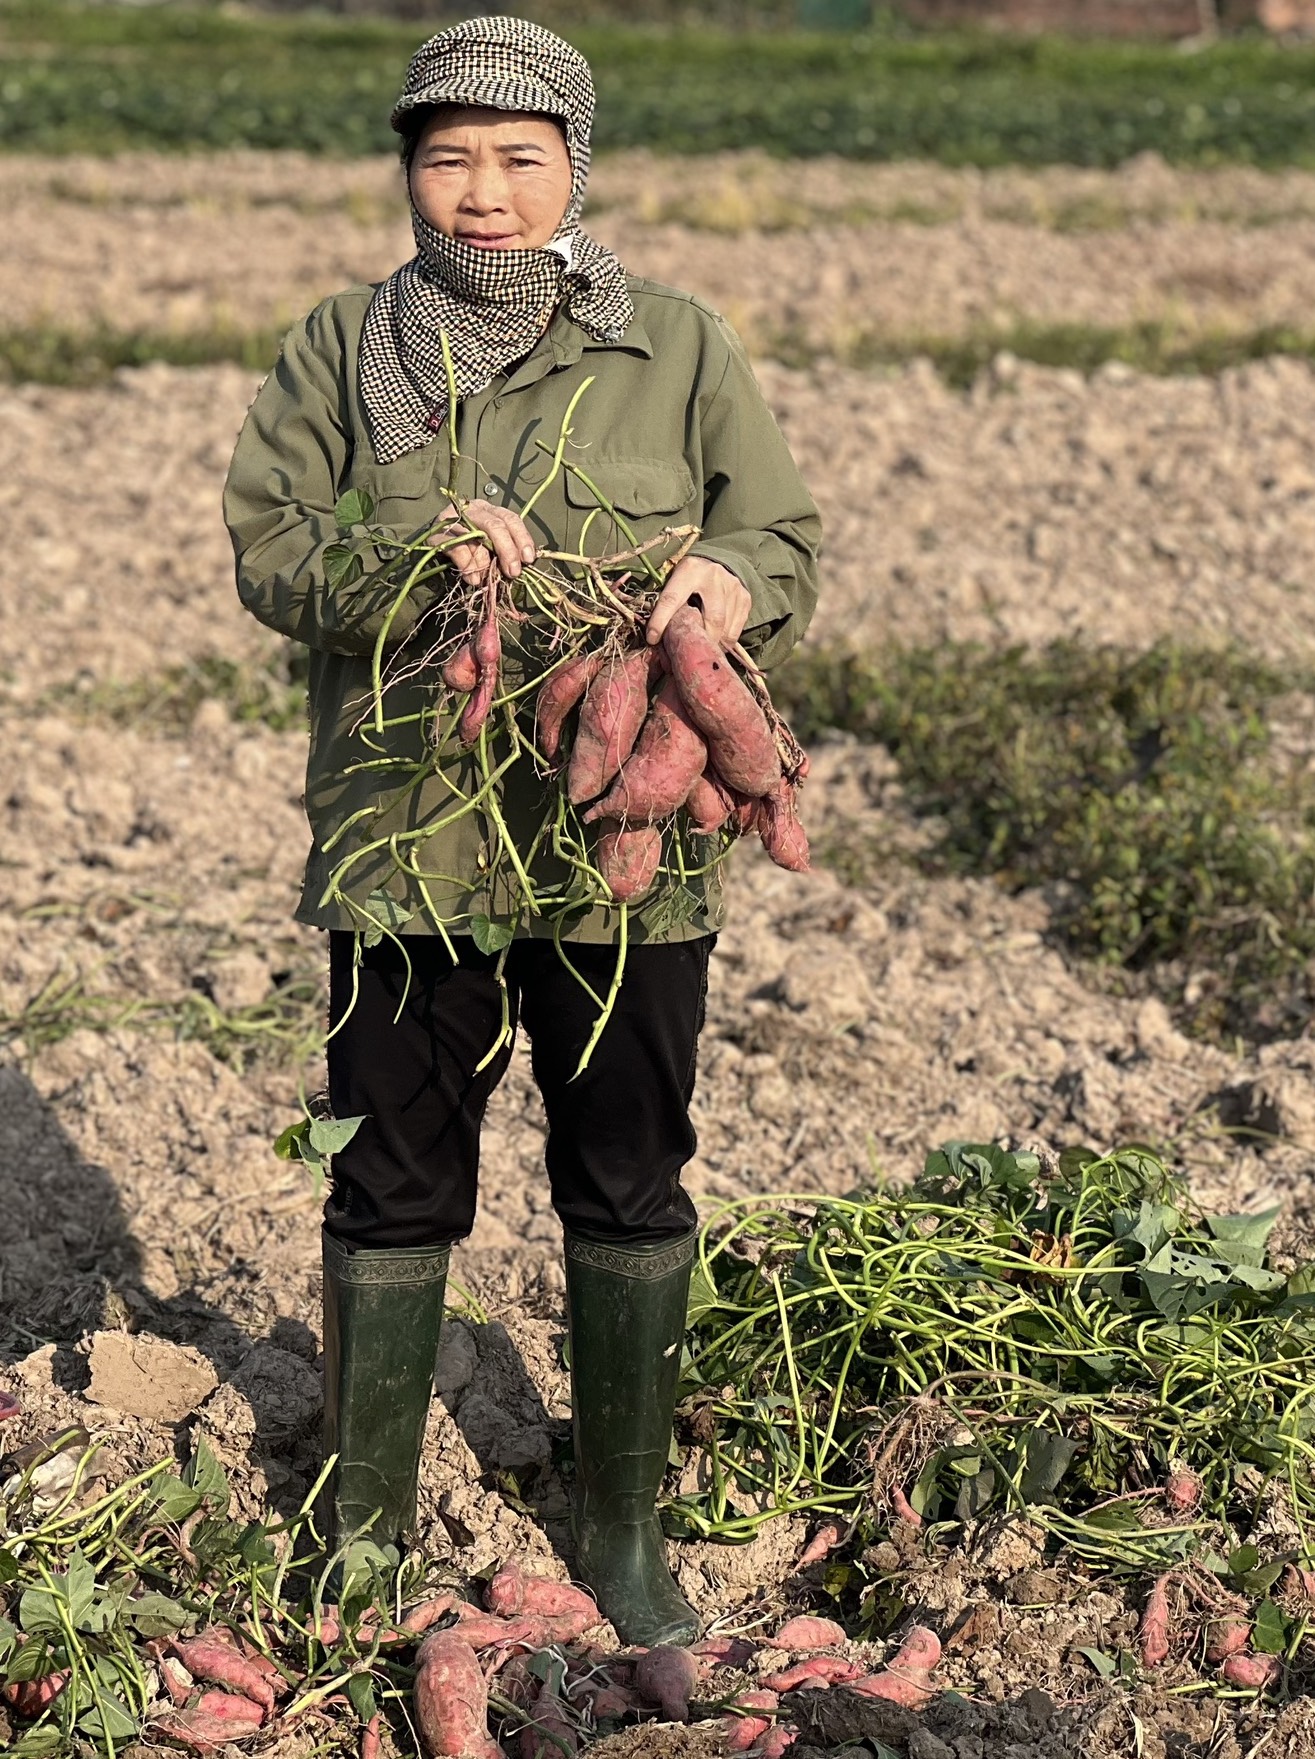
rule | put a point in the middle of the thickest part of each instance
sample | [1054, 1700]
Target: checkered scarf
[493, 305]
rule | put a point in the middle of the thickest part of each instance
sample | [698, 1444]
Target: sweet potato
[1227, 1636]
[1258, 1672]
[10, 1406]
[628, 858]
[485, 1630]
[428, 1612]
[740, 1728]
[610, 1703]
[1153, 1631]
[31, 1697]
[808, 1633]
[774, 1743]
[708, 805]
[783, 837]
[550, 1734]
[903, 1508]
[667, 1677]
[657, 776]
[459, 671]
[906, 1678]
[487, 653]
[721, 706]
[610, 718]
[211, 1658]
[820, 1546]
[728, 1651]
[817, 1670]
[451, 1700]
[511, 1592]
[215, 1718]
[370, 1743]
[1182, 1491]
[558, 695]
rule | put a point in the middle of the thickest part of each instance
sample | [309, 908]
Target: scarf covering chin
[493, 306]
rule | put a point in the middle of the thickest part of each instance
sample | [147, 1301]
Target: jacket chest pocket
[407, 494]
[645, 493]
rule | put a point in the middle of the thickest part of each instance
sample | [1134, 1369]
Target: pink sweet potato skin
[210, 1658]
[809, 1633]
[740, 1728]
[459, 671]
[559, 695]
[669, 756]
[450, 1699]
[610, 718]
[667, 1677]
[628, 858]
[782, 835]
[818, 1670]
[708, 806]
[551, 1734]
[728, 1651]
[215, 1719]
[1227, 1636]
[1153, 1632]
[511, 1592]
[1258, 1672]
[774, 1743]
[488, 659]
[721, 706]
[31, 1697]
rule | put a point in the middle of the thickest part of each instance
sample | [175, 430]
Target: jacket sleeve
[288, 470]
[759, 519]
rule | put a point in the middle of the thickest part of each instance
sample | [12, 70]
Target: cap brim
[485, 94]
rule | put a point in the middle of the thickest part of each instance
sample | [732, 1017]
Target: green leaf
[387, 916]
[33, 1659]
[1269, 1634]
[288, 1143]
[1261, 1580]
[8, 1640]
[9, 1567]
[204, 1474]
[38, 1743]
[1048, 1457]
[1074, 1161]
[155, 1615]
[490, 936]
[342, 565]
[110, 1719]
[356, 507]
[1241, 1559]
[1250, 1232]
[975, 1495]
[703, 1296]
[1105, 1665]
[174, 1500]
[360, 1689]
[331, 1135]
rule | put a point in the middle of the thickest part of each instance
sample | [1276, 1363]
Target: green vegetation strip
[1076, 1344]
[106, 77]
[1146, 791]
[75, 358]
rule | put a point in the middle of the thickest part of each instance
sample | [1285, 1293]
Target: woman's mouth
[488, 240]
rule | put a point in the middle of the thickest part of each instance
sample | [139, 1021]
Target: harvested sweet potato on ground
[729, 1651]
[550, 1734]
[451, 1700]
[721, 706]
[611, 715]
[1153, 1631]
[215, 1718]
[1258, 1672]
[371, 1747]
[823, 1542]
[1182, 1491]
[774, 1743]
[818, 1670]
[809, 1633]
[558, 696]
[1227, 1636]
[31, 1697]
[655, 779]
[485, 1630]
[628, 858]
[667, 1677]
[741, 1727]
[906, 1678]
[459, 671]
[511, 1592]
[783, 837]
[708, 805]
[211, 1658]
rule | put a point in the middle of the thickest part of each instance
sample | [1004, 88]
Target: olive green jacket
[673, 431]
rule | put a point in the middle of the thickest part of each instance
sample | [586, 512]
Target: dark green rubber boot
[382, 1315]
[626, 1312]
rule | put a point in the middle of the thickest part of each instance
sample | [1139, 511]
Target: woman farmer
[495, 120]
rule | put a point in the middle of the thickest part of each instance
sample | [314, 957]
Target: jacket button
[490, 488]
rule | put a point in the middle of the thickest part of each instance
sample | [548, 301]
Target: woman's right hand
[506, 531]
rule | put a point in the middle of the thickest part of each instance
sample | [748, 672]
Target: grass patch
[166, 702]
[77, 359]
[102, 78]
[1146, 791]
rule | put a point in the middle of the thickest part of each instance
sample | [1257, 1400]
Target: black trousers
[618, 1137]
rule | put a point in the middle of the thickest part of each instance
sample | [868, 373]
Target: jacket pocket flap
[406, 479]
[633, 485]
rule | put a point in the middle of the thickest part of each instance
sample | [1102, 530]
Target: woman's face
[495, 179]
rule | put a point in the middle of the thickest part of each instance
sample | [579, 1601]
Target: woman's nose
[486, 193]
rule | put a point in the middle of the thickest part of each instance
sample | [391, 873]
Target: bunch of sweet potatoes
[668, 727]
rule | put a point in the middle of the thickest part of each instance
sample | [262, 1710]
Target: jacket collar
[565, 343]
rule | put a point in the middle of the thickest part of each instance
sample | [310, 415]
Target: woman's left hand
[722, 597]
